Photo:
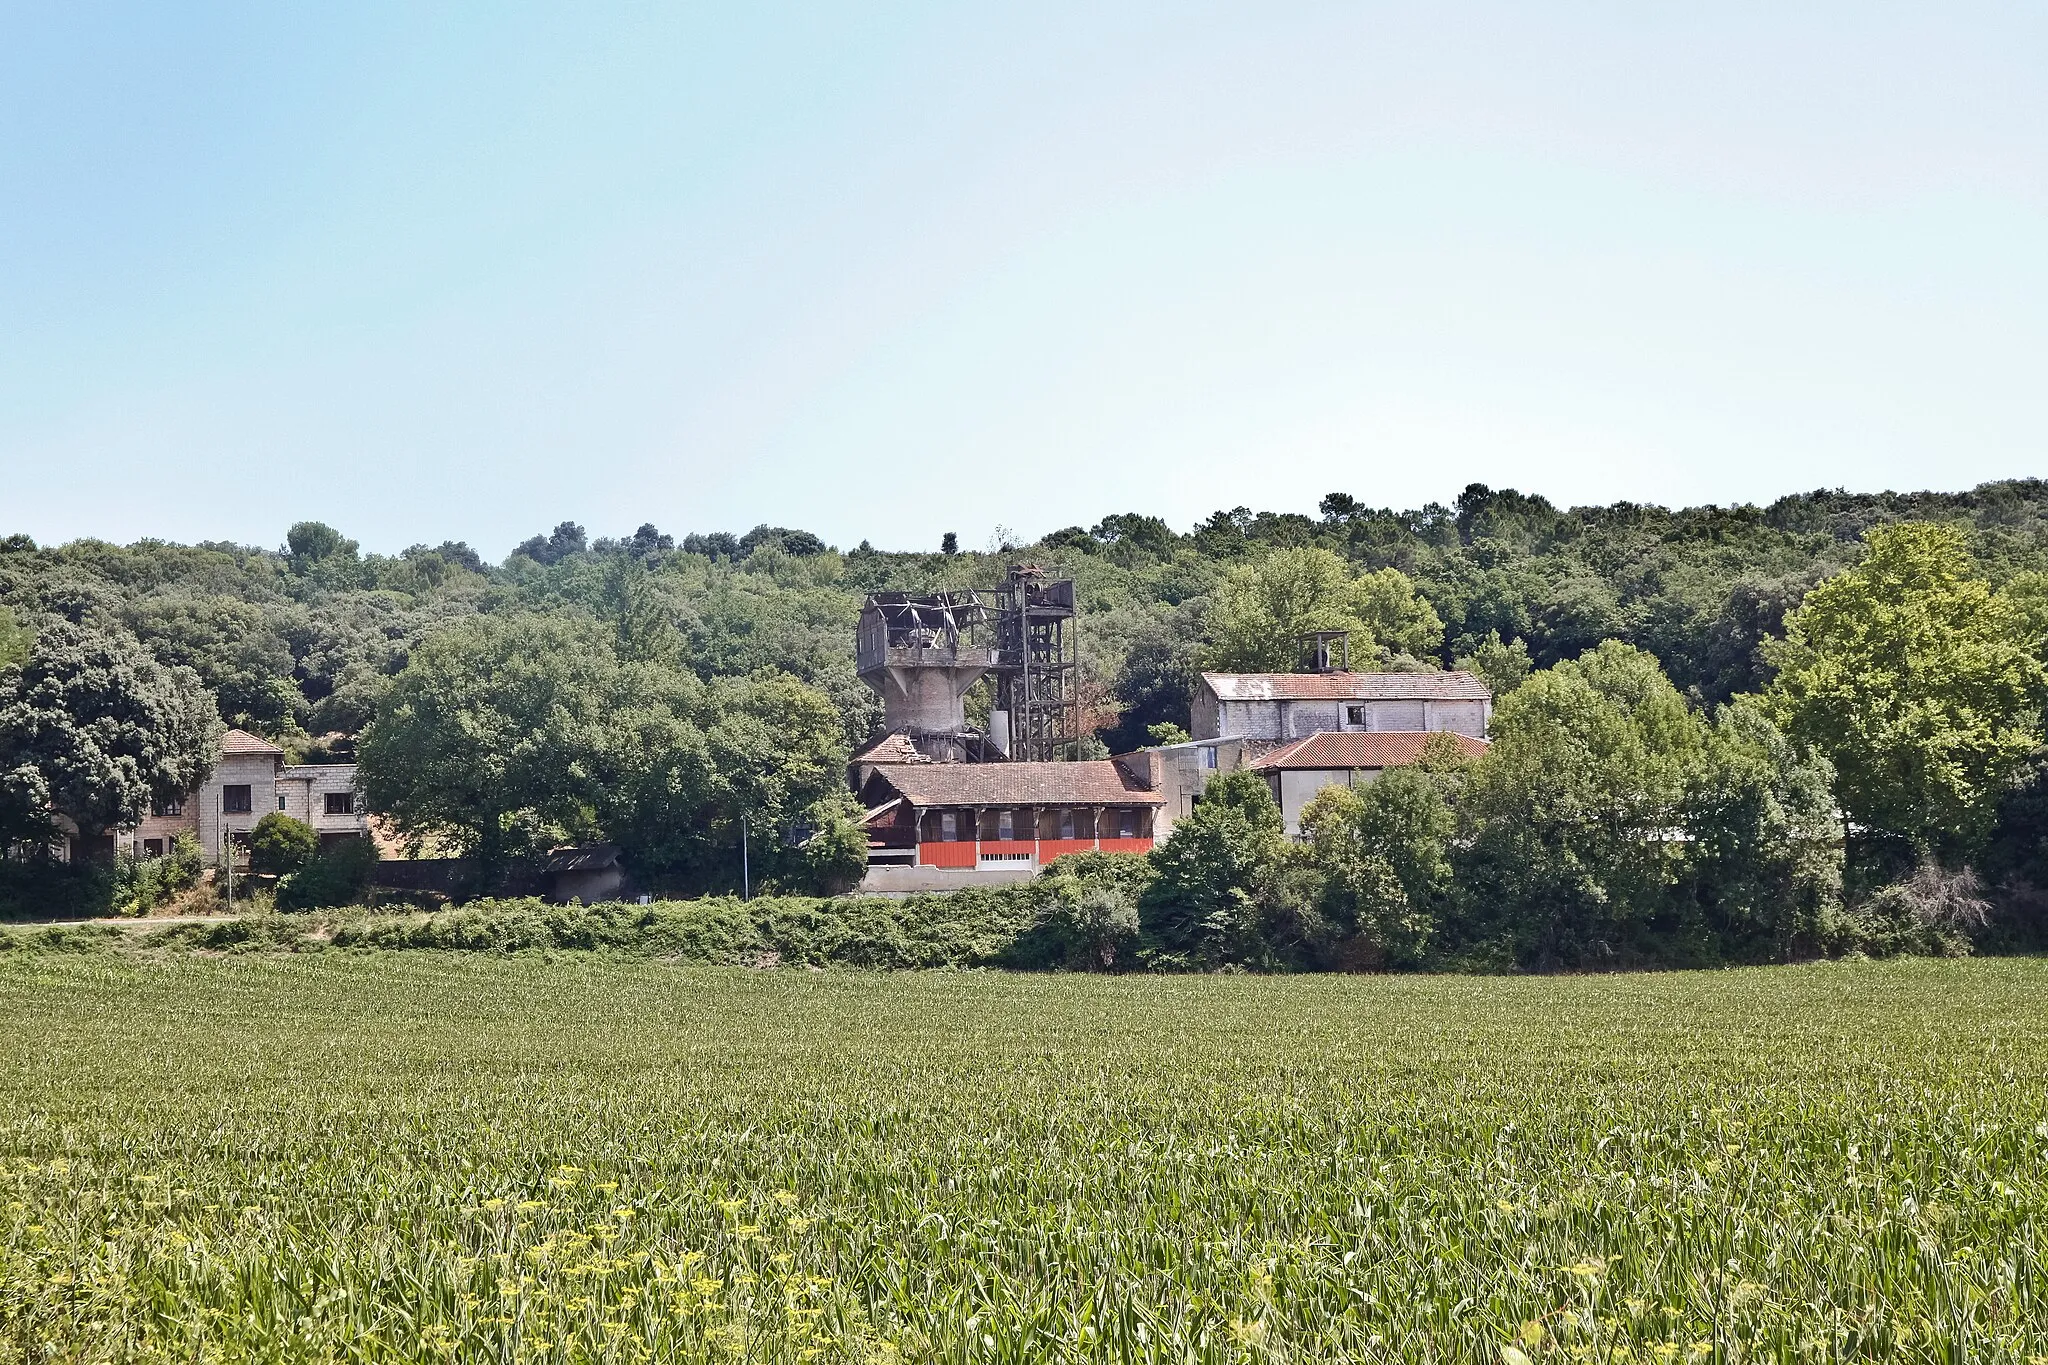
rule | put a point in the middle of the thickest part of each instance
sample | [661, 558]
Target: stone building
[1297, 770]
[249, 780]
[1282, 706]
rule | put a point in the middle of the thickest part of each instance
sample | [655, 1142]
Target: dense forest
[737, 649]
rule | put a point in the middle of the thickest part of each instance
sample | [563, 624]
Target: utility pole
[746, 873]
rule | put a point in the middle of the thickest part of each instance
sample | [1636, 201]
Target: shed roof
[242, 742]
[584, 858]
[1449, 686]
[1358, 749]
[1090, 782]
[894, 747]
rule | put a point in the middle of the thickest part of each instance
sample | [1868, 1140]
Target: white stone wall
[306, 787]
[1460, 717]
[258, 772]
[1298, 787]
[1305, 718]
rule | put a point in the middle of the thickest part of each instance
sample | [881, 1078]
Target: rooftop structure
[1282, 706]
[922, 652]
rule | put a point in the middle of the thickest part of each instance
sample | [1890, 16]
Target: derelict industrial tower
[922, 652]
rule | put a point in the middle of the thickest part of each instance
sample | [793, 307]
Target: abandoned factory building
[1269, 706]
[998, 817]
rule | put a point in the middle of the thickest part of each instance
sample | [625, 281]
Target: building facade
[1296, 771]
[250, 780]
[934, 826]
[1283, 706]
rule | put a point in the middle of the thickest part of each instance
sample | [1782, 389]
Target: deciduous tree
[1920, 684]
[1261, 608]
[92, 727]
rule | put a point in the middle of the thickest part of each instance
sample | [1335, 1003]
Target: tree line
[1882, 651]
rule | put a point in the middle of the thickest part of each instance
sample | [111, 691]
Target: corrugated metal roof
[1450, 686]
[242, 742]
[1358, 749]
[1091, 782]
[586, 858]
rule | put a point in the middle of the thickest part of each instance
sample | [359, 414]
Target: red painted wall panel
[960, 854]
[1126, 845]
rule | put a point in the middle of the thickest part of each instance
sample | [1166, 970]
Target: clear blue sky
[888, 271]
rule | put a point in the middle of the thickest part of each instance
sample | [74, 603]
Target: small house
[1295, 772]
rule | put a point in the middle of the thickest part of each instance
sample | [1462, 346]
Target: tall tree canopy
[1919, 683]
[92, 727]
[505, 736]
[1260, 610]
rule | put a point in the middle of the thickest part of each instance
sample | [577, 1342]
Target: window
[280, 801]
[1355, 715]
[949, 827]
[1006, 824]
[1208, 755]
[340, 803]
[167, 805]
[1066, 824]
[1127, 824]
[234, 800]
[152, 848]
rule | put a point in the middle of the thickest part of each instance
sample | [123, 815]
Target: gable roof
[242, 742]
[894, 747]
[1448, 686]
[1090, 782]
[1358, 749]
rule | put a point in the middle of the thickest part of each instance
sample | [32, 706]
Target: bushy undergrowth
[1087, 912]
[980, 928]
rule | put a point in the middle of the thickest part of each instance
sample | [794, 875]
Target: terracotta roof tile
[242, 742]
[1358, 749]
[1346, 687]
[891, 748]
[1091, 782]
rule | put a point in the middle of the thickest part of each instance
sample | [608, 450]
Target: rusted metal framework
[1037, 681]
[921, 652]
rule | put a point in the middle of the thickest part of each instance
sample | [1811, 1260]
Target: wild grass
[434, 1156]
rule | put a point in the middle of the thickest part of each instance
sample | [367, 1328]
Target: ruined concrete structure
[922, 652]
[949, 803]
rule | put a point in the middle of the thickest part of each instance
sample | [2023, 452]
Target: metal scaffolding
[1039, 669]
[922, 651]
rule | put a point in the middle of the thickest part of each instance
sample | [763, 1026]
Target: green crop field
[425, 1156]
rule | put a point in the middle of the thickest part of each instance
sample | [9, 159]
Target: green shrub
[43, 888]
[281, 845]
[336, 875]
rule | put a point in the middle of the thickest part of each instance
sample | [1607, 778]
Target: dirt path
[118, 922]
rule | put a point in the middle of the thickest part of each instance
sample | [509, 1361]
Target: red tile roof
[1091, 782]
[1358, 749]
[891, 748]
[242, 742]
[1346, 687]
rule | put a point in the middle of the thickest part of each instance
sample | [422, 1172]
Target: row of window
[239, 799]
[948, 826]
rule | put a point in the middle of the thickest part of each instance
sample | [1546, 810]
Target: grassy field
[383, 1157]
